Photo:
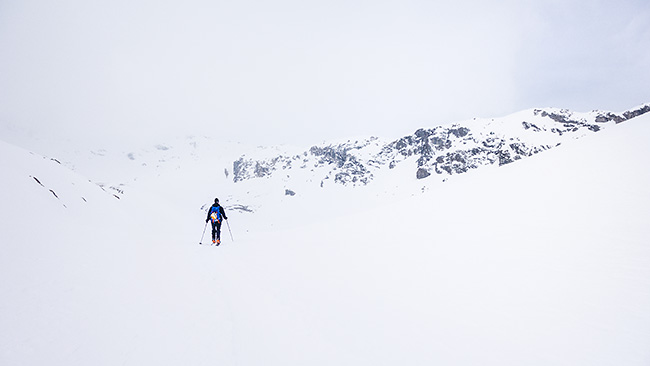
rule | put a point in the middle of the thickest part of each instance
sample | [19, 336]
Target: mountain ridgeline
[442, 150]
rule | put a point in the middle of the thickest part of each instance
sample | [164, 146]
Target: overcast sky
[296, 71]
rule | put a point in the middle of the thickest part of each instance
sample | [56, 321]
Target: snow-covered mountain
[442, 150]
[416, 160]
[544, 261]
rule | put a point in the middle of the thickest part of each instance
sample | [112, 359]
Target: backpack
[215, 214]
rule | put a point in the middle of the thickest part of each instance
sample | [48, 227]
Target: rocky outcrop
[636, 112]
[443, 150]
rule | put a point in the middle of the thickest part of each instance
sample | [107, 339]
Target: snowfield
[544, 261]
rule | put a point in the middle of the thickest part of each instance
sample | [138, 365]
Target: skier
[216, 214]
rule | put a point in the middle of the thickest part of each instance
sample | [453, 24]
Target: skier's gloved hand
[206, 220]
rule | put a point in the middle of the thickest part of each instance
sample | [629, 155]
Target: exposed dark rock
[261, 169]
[529, 126]
[557, 117]
[453, 149]
[607, 117]
[637, 112]
[38, 181]
[238, 207]
[330, 155]
[520, 149]
[457, 157]
[422, 134]
[422, 173]
[504, 157]
[459, 132]
[238, 169]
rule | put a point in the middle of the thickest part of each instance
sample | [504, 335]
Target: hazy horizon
[288, 71]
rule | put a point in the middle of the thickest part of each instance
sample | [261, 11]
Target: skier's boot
[218, 242]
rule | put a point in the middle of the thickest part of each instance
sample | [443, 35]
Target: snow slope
[87, 279]
[537, 263]
[545, 261]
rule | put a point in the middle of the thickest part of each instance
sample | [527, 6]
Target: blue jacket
[221, 211]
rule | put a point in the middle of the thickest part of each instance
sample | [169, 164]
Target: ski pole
[227, 223]
[205, 227]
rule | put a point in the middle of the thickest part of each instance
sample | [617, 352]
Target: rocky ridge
[442, 150]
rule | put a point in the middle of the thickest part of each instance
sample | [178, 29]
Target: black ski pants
[216, 230]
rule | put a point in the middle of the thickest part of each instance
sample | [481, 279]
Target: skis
[211, 244]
